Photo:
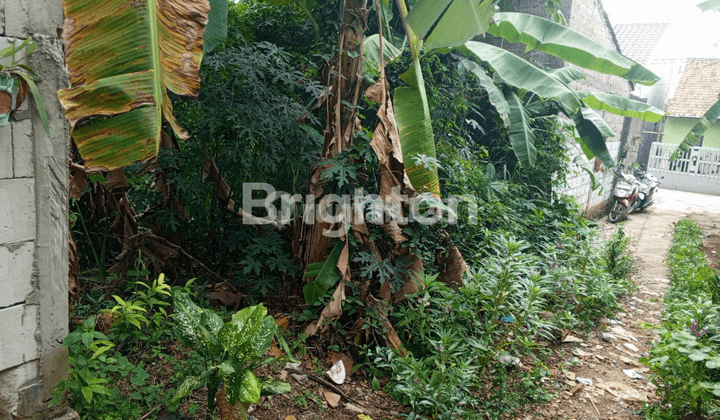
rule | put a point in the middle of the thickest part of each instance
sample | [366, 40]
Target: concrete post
[34, 225]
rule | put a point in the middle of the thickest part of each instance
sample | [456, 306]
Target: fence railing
[699, 161]
[696, 171]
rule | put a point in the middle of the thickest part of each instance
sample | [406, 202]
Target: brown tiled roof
[638, 40]
[697, 90]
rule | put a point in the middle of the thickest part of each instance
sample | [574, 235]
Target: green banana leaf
[598, 121]
[567, 75]
[412, 114]
[592, 131]
[709, 5]
[495, 96]
[326, 275]
[450, 23]
[371, 54]
[691, 139]
[619, 105]
[544, 35]
[216, 29]
[521, 74]
[122, 58]
[522, 138]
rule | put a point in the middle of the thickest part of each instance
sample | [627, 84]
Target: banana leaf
[567, 75]
[709, 5]
[216, 29]
[412, 114]
[691, 139]
[593, 130]
[549, 37]
[495, 96]
[371, 54]
[521, 74]
[449, 23]
[326, 275]
[619, 105]
[522, 138]
[122, 58]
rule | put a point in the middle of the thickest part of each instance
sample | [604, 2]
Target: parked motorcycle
[631, 193]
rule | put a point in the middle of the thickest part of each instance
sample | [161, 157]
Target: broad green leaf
[371, 54]
[272, 387]
[87, 393]
[518, 72]
[450, 23]
[599, 122]
[190, 384]
[549, 37]
[696, 391]
[216, 28]
[709, 5]
[522, 138]
[263, 338]
[697, 356]
[691, 139]
[412, 114]
[593, 141]
[567, 75]
[122, 58]
[619, 105]
[326, 274]
[495, 96]
[242, 386]
[237, 334]
[191, 326]
[713, 363]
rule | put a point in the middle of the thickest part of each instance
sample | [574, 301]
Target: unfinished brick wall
[33, 224]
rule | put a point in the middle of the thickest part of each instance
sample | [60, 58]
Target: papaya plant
[231, 351]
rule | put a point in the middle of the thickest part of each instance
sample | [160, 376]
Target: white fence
[695, 171]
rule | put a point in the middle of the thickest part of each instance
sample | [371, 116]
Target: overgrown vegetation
[445, 347]
[686, 359]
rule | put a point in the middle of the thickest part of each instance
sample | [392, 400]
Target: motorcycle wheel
[617, 213]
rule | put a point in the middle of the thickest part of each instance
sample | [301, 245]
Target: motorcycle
[631, 193]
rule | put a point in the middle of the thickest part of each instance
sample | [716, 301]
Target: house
[696, 93]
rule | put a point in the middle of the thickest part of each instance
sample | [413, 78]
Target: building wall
[33, 224]
[677, 128]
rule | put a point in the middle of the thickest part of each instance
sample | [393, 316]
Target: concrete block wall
[33, 224]
[589, 19]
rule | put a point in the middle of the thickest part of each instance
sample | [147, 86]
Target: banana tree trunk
[344, 78]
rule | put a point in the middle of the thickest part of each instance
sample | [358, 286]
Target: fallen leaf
[571, 339]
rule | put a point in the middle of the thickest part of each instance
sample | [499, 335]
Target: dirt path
[604, 359]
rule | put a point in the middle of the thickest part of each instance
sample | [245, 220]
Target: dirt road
[599, 384]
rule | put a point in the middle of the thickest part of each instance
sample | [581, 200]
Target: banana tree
[123, 57]
[710, 116]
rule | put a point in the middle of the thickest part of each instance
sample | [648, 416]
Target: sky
[691, 34]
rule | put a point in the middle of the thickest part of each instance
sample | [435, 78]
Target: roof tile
[697, 90]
